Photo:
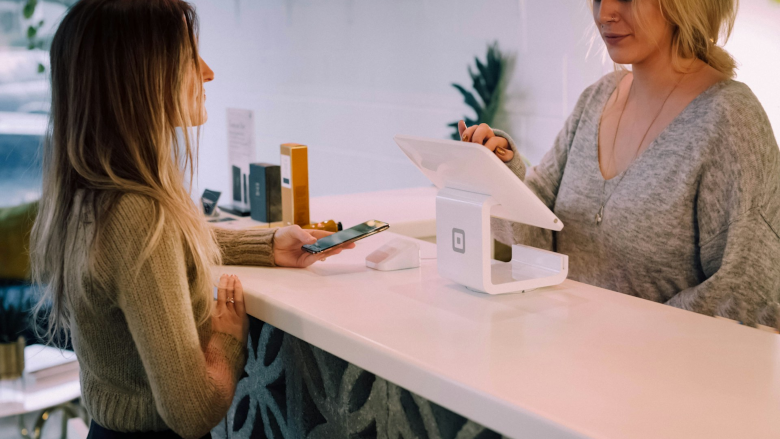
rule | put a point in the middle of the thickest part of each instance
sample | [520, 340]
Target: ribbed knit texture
[694, 222]
[146, 364]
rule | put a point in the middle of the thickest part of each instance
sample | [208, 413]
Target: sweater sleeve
[246, 247]
[192, 389]
[738, 216]
[543, 179]
[743, 277]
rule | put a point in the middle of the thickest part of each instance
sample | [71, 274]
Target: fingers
[301, 235]
[496, 142]
[466, 136]
[222, 292]
[230, 291]
[238, 296]
[309, 259]
[482, 134]
[505, 154]
[318, 234]
[461, 128]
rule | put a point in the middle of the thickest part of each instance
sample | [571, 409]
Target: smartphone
[210, 199]
[352, 234]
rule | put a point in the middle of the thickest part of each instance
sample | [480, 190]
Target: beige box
[295, 184]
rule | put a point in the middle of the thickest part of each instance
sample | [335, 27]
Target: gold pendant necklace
[600, 214]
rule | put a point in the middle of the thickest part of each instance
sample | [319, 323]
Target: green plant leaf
[41, 68]
[485, 81]
[483, 71]
[470, 100]
[29, 8]
[31, 32]
[479, 85]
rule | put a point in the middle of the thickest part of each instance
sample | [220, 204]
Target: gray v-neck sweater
[694, 222]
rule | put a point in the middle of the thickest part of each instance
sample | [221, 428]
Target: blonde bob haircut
[698, 29]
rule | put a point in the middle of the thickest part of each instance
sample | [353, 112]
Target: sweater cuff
[233, 351]
[246, 247]
[516, 165]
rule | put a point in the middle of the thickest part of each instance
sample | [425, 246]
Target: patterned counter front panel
[291, 389]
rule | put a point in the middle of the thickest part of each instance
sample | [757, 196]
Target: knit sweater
[146, 365]
[694, 222]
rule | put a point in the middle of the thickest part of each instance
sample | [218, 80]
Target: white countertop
[410, 212]
[564, 362]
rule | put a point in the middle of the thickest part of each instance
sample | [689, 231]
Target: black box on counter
[265, 192]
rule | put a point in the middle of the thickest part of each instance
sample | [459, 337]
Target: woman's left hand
[289, 240]
[484, 135]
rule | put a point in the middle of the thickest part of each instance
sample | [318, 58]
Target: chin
[622, 56]
[201, 121]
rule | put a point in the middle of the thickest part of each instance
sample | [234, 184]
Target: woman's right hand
[230, 317]
[484, 135]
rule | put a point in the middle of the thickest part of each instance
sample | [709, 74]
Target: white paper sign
[286, 171]
[241, 152]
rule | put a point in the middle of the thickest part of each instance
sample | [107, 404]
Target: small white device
[473, 186]
[398, 254]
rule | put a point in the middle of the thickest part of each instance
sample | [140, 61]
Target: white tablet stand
[473, 186]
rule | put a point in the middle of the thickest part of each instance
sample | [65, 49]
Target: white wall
[755, 43]
[344, 76]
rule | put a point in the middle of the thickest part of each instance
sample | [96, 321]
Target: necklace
[600, 213]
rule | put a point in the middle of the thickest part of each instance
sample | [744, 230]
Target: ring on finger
[231, 300]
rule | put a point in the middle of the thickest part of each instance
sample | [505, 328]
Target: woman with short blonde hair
[666, 176]
[121, 251]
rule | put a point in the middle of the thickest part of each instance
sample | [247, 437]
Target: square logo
[459, 240]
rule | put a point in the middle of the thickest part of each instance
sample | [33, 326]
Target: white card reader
[398, 254]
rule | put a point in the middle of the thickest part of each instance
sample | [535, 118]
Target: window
[25, 98]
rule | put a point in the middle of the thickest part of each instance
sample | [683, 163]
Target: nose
[205, 71]
[607, 10]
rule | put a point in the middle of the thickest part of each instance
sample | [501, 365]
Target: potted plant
[487, 84]
[14, 318]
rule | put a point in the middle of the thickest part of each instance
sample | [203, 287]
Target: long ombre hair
[123, 73]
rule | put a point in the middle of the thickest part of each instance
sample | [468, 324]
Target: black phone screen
[352, 234]
[209, 199]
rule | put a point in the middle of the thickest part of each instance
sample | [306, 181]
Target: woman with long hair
[667, 176]
[123, 255]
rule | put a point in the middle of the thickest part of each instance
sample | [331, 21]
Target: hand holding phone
[287, 247]
[347, 236]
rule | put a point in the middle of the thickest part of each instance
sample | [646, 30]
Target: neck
[655, 75]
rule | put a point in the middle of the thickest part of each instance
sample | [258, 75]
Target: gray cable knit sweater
[146, 364]
[694, 224]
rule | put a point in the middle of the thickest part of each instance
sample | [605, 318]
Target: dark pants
[98, 432]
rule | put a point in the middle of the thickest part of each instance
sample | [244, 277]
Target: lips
[613, 38]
